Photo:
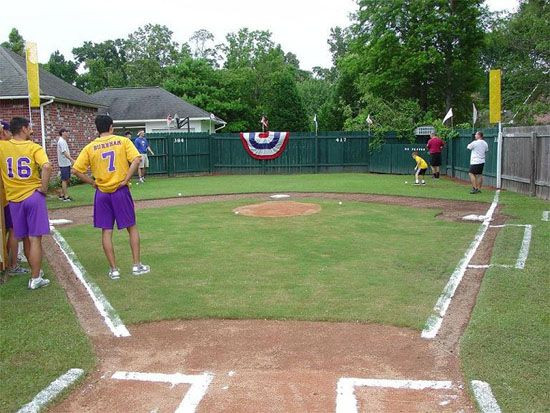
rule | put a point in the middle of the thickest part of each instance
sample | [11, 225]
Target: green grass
[507, 342]
[350, 262]
[40, 340]
[162, 187]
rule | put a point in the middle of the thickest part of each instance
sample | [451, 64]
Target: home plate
[474, 217]
[279, 196]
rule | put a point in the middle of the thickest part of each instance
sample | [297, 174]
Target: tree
[282, 103]
[338, 42]
[314, 93]
[245, 47]
[195, 81]
[425, 50]
[105, 65]
[519, 44]
[149, 50]
[15, 42]
[63, 69]
[200, 39]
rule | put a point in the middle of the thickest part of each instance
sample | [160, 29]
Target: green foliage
[519, 45]
[105, 65]
[55, 182]
[15, 42]
[283, 104]
[446, 133]
[424, 51]
[149, 51]
[314, 93]
[258, 78]
[399, 117]
[415, 59]
[245, 47]
[200, 39]
[63, 69]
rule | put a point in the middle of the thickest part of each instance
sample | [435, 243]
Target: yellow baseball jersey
[108, 158]
[20, 163]
[420, 163]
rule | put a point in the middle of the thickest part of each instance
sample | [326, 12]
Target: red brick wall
[79, 120]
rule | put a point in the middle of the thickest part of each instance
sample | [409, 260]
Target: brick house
[62, 106]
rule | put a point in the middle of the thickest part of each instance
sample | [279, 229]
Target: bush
[55, 183]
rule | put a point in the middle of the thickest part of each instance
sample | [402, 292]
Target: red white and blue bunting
[265, 145]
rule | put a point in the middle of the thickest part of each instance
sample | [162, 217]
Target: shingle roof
[142, 103]
[13, 81]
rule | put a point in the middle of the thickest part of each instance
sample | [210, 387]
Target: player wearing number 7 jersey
[26, 172]
[112, 160]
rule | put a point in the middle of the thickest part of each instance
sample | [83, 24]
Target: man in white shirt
[65, 162]
[478, 150]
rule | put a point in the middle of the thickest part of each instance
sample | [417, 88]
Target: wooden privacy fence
[526, 160]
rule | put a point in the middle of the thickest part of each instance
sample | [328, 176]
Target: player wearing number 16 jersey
[112, 160]
[26, 172]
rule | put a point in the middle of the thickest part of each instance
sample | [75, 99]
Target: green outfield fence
[188, 153]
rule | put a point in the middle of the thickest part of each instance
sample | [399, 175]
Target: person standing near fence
[478, 150]
[64, 161]
[435, 146]
[142, 145]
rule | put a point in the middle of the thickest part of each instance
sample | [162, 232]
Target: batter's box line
[199, 385]
[523, 252]
[346, 402]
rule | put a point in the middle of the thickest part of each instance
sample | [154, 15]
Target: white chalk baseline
[110, 317]
[435, 320]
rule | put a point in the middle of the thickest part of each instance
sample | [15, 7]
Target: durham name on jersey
[20, 162]
[108, 158]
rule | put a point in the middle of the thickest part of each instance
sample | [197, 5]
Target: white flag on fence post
[448, 115]
[474, 114]
[369, 120]
[315, 122]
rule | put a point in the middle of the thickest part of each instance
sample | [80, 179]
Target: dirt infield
[273, 209]
[273, 366]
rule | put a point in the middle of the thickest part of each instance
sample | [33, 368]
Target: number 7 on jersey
[111, 156]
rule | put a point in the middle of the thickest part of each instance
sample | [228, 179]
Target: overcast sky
[300, 26]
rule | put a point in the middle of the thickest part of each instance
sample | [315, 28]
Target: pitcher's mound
[278, 209]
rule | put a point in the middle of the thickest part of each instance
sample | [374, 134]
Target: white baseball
[406, 182]
[236, 212]
[179, 193]
[340, 203]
